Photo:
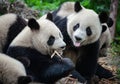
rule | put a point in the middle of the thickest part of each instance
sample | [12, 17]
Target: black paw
[77, 75]
[24, 79]
[103, 73]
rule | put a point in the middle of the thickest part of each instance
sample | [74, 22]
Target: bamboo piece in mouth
[56, 53]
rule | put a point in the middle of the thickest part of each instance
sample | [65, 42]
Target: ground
[111, 62]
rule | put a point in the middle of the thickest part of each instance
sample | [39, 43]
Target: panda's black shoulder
[55, 16]
[62, 25]
[14, 30]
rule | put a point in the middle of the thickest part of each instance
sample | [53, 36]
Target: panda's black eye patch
[88, 31]
[76, 27]
[51, 40]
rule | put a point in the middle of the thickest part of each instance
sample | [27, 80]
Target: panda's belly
[71, 53]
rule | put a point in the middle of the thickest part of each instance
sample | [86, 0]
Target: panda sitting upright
[35, 44]
[81, 29]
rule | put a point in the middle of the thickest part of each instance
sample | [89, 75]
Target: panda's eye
[88, 31]
[51, 40]
[76, 27]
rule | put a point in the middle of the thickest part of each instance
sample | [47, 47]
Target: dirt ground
[112, 63]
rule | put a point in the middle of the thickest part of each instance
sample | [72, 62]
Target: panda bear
[10, 25]
[35, 44]
[81, 30]
[12, 71]
[105, 38]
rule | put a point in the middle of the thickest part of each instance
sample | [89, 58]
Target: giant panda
[81, 30]
[35, 44]
[12, 71]
[10, 25]
[105, 38]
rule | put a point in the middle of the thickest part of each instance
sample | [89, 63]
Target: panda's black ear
[104, 28]
[33, 24]
[49, 17]
[103, 17]
[77, 6]
[110, 22]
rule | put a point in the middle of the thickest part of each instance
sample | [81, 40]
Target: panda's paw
[78, 76]
[24, 79]
[69, 62]
[104, 73]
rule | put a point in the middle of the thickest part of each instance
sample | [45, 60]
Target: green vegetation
[48, 5]
[118, 72]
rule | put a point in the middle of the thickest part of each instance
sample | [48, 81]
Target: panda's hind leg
[103, 73]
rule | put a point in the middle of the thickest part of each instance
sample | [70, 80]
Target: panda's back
[10, 26]
[10, 68]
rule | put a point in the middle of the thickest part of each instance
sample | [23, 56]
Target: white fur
[105, 37]
[85, 18]
[10, 69]
[66, 9]
[5, 22]
[38, 39]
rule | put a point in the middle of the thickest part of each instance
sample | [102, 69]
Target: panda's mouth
[78, 43]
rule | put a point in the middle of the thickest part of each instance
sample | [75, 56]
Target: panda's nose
[63, 47]
[78, 38]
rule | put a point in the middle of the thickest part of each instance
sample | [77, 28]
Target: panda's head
[46, 37]
[84, 26]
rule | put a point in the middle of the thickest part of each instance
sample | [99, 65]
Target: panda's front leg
[87, 62]
[57, 69]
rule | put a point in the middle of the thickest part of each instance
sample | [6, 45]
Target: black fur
[88, 31]
[33, 24]
[78, 76]
[14, 30]
[24, 80]
[51, 40]
[49, 17]
[54, 14]
[103, 17]
[77, 7]
[42, 67]
[104, 28]
[76, 26]
[87, 63]
[110, 22]
[61, 24]
[103, 73]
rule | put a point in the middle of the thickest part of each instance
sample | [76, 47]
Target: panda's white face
[84, 27]
[48, 38]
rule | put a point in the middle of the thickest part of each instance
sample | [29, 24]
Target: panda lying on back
[35, 44]
[12, 71]
[81, 29]
[10, 26]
